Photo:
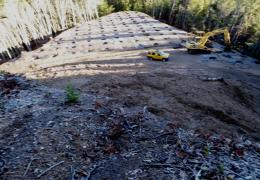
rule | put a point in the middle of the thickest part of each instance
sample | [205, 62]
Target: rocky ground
[194, 117]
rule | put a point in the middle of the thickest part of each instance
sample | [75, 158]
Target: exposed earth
[136, 118]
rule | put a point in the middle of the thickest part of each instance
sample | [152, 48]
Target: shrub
[2, 72]
[72, 96]
[104, 8]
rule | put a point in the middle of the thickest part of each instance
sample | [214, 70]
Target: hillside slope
[107, 56]
[135, 118]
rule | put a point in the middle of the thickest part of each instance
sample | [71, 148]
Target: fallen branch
[2, 165]
[72, 172]
[90, 172]
[159, 165]
[165, 134]
[213, 79]
[50, 168]
[197, 176]
[235, 173]
[28, 166]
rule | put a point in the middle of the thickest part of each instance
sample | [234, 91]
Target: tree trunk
[172, 13]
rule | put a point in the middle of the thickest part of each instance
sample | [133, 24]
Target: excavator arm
[200, 47]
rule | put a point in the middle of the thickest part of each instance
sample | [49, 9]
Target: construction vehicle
[158, 55]
[200, 46]
[200, 33]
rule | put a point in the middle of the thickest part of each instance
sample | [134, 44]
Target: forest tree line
[1, 9]
[26, 24]
[242, 17]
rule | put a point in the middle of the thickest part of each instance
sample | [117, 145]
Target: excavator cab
[200, 46]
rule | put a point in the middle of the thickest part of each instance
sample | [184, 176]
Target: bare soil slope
[107, 56]
[127, 102]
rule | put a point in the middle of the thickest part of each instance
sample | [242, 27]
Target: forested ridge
[242, 17]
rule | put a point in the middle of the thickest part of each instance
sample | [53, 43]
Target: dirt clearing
[107, 57]
[133, 112]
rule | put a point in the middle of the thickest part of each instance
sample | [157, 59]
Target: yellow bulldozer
[200, 46]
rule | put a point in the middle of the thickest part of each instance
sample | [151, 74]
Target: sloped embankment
[42, 137]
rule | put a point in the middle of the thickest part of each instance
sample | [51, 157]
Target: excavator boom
[200, 47]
